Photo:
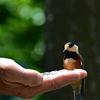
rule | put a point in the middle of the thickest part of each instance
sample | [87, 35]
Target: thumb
[13, 72]
[31, 77]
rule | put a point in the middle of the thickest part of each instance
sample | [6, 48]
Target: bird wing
[83, 83]
[81, 94]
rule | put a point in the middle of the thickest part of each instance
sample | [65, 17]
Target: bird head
[71, 47]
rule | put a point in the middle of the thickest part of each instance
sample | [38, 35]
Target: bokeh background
[33, 32]
[21, 34]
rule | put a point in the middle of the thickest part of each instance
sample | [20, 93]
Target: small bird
[73, 60]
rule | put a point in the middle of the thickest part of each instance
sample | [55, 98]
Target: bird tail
[77, 96]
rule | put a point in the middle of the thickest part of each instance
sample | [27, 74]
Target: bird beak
[65, 50]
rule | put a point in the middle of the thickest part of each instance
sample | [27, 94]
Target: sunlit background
[21, 38]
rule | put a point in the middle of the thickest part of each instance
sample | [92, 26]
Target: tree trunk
[77, 21]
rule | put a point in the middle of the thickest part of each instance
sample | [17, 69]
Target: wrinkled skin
[18, 81]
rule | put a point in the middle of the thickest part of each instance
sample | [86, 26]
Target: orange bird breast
[71, 64]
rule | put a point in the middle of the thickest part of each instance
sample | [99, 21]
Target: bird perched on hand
[73, 60]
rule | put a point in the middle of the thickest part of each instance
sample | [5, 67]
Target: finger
[13, 72]
[72, 75]
[31, 77]
[62, 78]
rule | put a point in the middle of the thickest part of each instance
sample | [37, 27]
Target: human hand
[14, 78]
[17, 81]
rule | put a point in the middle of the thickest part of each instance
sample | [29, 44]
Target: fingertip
[82, 72]
[32, 78]
[39, 79]
[36, 79]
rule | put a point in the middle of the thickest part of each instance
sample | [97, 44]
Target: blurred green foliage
[40, 97]
[21, 33]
